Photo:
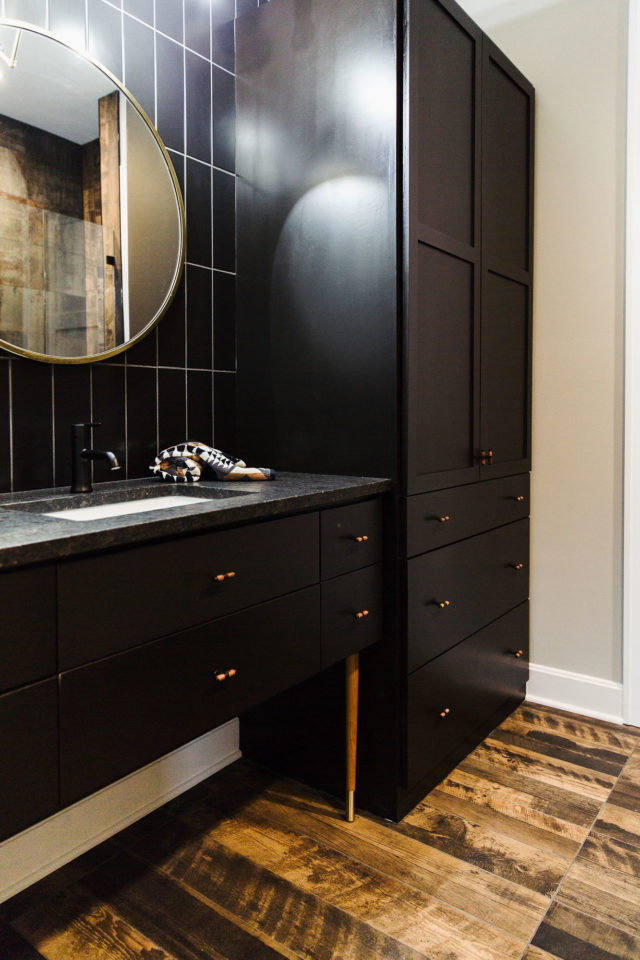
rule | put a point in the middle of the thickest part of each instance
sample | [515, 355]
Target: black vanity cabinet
[385, 214]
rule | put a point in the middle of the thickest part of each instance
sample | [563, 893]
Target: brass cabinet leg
[352, 675]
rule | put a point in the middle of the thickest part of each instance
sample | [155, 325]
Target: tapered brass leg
[352, 676]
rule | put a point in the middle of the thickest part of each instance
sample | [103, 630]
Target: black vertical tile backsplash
[167, 383]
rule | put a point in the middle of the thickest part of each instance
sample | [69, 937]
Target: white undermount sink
[101, 510]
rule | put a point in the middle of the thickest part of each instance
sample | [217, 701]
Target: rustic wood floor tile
[14, 947]
[613, 897]
[571, 935]
[626, 792]
[612, 855]
[618, 823]
[489, 805]
[570, 725]
[563, 804]
[75, 926]
[535, 953]
[486, 848]
[482, 895]
[569, 777]
[560, 748]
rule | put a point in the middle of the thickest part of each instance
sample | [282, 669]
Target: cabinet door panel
[343, 598]
[28, 603]
[350, 537]
[443, 119]
[504, 401]
[28, 756]
[125, 711]
[442, 370]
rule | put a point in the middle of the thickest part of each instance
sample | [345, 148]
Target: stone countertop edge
[30, 538]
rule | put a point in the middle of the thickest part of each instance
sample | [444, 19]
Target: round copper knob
[444, 518]
[518, 654]
[225, 674]
[362, 613]
[219, 577]
[362, 539]
[444, 603]
[445, 712]
[519, 499]
[518, 566]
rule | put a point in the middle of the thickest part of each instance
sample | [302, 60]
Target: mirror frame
[49, 358]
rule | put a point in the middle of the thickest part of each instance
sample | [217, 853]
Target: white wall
[574, 53]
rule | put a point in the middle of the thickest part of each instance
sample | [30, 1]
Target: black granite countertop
[27, 536]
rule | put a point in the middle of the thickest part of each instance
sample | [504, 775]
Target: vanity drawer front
[28, 646]
[115, 601]
[29, 756]
[458, 589]
[123, 712]
[435, 519]
[350, 537]
[468, 685]
[343, 598]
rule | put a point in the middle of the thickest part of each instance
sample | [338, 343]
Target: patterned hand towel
[190, 461]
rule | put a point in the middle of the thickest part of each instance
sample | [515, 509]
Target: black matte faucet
[82, 455]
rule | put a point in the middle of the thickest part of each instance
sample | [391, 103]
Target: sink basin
[125, 499]
[101, 510]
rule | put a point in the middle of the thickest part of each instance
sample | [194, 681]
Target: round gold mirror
[91, 217]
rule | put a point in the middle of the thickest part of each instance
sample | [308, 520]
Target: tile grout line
[595, 820]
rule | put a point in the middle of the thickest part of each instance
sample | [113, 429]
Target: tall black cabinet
[385, 159]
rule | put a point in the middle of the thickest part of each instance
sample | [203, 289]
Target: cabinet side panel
[316, 210]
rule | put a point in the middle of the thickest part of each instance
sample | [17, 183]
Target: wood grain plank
[568, 776]
[557, 802]
[508, 812]
[572, 725]
[541, 734]
[618, 823]
[535, 953]
[571, 935]
[611, 896]
[76, 926]
[486, 848]
[408, 916]
[603, 761]
[612, 855]
[273, 906]
[481, 894]
[626, 792]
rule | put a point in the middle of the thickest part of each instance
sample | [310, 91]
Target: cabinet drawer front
[123, 712]
[351, 613]
[28, 646]
[435, 519]
[350, 537]
[112, 602]
[461, 690]
[29, 752]
[460, 588]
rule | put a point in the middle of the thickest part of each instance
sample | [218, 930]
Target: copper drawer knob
[486, 457]
[444, 603]
[518, 654]
[445, 712]
[361, 539]
[225, 674]
[224, 576]
[444, 518]
[362, 613]
[518, 499]
[518, 566]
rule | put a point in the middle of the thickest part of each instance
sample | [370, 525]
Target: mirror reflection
[91, 224]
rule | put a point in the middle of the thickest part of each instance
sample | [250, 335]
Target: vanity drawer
[454, 591]
[115, 601]
[461, 690]
[350, 537]
[28, 646]
[29, 752]
[123, 712]
[343, 599]
[435, 519]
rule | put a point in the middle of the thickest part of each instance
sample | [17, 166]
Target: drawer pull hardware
[486, 457]
[445, 712]
[361, 613]
[226, 674]
[361, 539]
[443, 604]
[219, 577]
[518, 654]
[518, 499]
[518, 566]
[444, 518]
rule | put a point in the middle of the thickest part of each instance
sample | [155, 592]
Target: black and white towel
[191, 461]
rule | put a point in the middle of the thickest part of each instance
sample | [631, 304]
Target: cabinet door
[507, 259]
[443, 283]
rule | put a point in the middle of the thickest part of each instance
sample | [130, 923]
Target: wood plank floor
[529, 850]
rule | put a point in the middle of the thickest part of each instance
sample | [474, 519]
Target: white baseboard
[50, 844]
[575, 692]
